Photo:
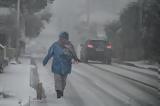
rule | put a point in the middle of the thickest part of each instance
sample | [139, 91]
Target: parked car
[6, 54]
[2, 59]
[100, 50]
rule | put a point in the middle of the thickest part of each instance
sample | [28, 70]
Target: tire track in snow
[107, 80]
[125, 76]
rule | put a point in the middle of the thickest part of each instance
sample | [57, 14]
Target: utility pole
[141, 14]
[141, 22]
[18, 30]
[88, 17]
[18, 14]
[88, 12]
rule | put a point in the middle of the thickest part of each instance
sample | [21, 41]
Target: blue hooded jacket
[61, 63]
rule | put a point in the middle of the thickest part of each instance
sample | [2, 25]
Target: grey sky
[66, 13]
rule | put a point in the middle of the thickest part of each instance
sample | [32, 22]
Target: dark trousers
[60, 82]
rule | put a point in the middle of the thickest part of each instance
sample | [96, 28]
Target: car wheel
[104, 62]
[1, 69]
[109, 61]
[85, 59]
[81, 57]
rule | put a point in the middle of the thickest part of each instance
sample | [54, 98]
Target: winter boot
[58, 94]
[62, 93]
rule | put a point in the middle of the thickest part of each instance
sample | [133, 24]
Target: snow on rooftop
[4, 11]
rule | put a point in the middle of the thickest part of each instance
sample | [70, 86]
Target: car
[6, 54]
[96, 50]
[2, 54]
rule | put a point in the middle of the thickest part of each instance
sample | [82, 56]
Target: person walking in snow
[63, 53]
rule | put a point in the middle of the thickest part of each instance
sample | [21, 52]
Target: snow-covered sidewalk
[15, 83]
[47, 79]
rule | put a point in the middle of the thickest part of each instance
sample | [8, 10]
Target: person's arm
[72, 49]
[48, 56]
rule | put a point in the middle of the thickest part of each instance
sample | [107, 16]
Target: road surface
[96, 84]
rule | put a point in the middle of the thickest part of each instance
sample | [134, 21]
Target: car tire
[109, 61]
[81, 57]
[104, 61]
[85, 59]
[1, 69]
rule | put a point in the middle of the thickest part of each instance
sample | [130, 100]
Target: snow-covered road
[142, 76]
[90, 86]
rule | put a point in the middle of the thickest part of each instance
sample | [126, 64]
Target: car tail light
[90, 46]
[109, 46]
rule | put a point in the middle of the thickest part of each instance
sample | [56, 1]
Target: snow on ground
[79, 91]
[9, 102]
[127, 89]
[140, 77]
[47, 79]
[88, 86]
[136, 70]
[144, 64]
[15, 81]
